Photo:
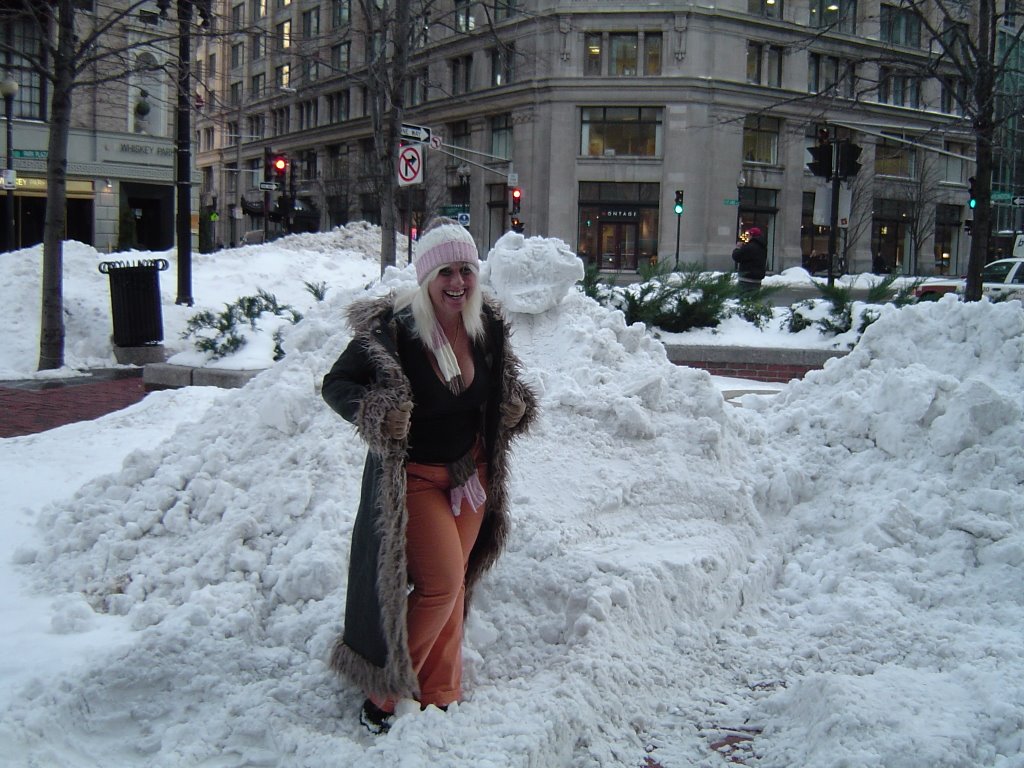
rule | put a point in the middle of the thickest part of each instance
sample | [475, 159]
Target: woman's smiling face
[452, 287]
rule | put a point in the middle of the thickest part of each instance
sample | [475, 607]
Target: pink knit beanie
[444, 244]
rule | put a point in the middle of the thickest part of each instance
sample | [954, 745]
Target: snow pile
[831, 576]
[908, 523]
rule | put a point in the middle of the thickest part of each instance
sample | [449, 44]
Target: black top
[444, 426]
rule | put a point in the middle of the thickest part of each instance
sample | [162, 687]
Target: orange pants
[437, 547]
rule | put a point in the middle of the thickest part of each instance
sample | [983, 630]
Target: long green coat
[364, 384]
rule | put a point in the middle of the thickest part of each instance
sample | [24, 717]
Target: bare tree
[977, 45]
[72, 55]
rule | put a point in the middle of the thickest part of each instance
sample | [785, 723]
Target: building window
[771, 9]
[282, 76]
[258, 85]
[761, 139]
[237, 17]
[898, 89]
[232, 134]
[254, 173]
[462, 74]
[829, 74]
[755, 52]
[764, 64]
[256, 127]
[504, 9]
[237, 55]
[283, 3]
[24, 44]
[283, 35]
[231, 178]
[502, 60]
[235, 93]
[461, 138]
[211, 68]
[624, 50]
[417, 88]
[835, 15]
[652, 54]
[501, 136]
[956, 168]
[282, 120]
[310, 23]
[341, 12]
[464, 21]
[592, 61]
[895, 158]
[337, 107]
[899, 26]
[340, 57]
[257, 46]
[611, 131]
[259, 9]
[309, 112]
[954, 95]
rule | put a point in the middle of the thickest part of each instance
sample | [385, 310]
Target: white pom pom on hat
[444, 244]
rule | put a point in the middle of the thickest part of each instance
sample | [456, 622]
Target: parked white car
[1002, 279]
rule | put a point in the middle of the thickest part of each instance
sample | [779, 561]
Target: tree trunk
[984, 129]
[51, 330]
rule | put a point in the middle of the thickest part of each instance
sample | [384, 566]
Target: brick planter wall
[759, 364]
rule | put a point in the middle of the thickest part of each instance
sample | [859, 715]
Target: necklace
[458, 330]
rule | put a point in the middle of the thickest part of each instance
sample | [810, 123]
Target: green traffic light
[973, 203]
[678, 209]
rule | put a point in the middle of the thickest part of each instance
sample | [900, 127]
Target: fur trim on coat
[364, 384]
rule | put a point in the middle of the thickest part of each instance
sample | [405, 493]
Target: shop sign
[620, 214]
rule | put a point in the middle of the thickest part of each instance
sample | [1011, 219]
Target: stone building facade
[600, 112]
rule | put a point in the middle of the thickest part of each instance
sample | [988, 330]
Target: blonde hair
[424, 318]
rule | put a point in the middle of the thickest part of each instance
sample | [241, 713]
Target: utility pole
[833, 231]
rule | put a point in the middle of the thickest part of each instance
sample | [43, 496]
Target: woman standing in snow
[430, 383]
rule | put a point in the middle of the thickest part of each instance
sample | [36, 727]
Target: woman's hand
[512, 412]
[396, 423]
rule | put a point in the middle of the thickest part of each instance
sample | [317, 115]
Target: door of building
[619, 245]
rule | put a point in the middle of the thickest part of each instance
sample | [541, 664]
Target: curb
[156, 376]
[779, 364]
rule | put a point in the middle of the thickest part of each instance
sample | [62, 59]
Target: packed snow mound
[226, 549]
[914, 524]
[531, 274]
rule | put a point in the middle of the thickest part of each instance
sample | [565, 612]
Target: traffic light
[848, 154]
[517, 225]
[280, 166]
[821, 165]
[972, 198]
[517, 199]
[678, 208]
[969, 226]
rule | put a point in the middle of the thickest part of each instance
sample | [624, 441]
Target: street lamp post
[9, 89]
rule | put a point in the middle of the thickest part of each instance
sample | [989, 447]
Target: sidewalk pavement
[31, 406]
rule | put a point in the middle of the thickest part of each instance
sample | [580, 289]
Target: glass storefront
[618, 224]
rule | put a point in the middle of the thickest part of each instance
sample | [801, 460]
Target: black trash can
[135, 301]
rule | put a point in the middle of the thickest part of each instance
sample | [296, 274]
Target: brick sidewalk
[27, 407]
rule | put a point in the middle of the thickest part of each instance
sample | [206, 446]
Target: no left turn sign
[410, 165]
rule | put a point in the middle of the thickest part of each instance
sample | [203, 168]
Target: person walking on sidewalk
[431, 384]
[751, 257]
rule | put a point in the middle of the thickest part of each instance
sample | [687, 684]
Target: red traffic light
[517, 198]
[280, 165]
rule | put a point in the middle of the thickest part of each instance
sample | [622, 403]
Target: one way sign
[416, 133]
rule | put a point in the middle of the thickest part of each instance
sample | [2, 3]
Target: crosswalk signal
[517, 199]
[517, 225]
[280, 166]
[678, 207]
[969, 226]
[972, 198]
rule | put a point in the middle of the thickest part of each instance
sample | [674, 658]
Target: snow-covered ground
[829, 576]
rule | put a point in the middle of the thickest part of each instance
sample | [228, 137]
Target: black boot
[375, 719]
